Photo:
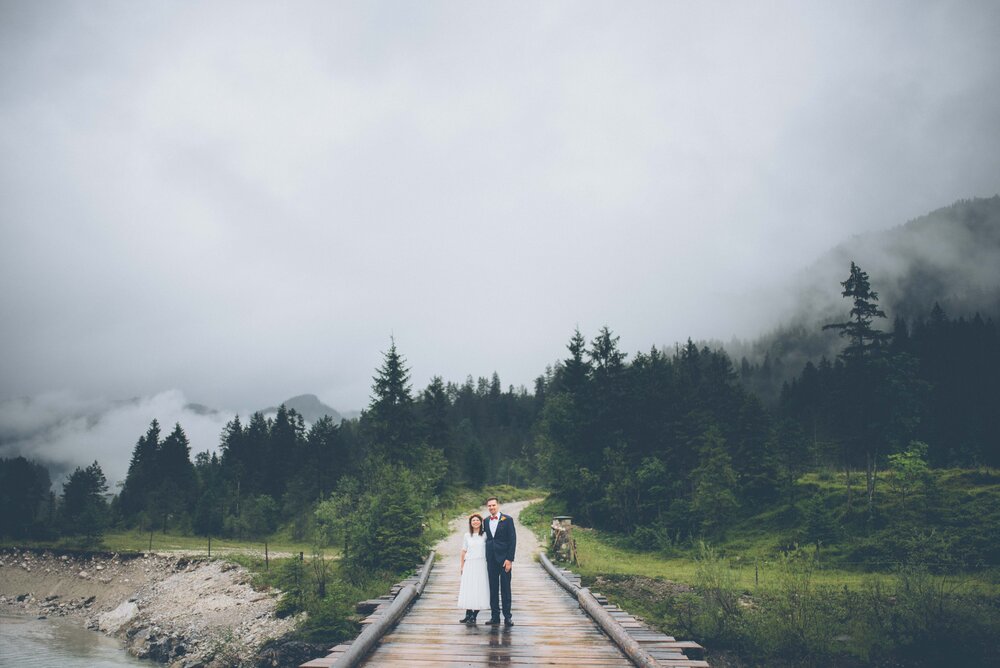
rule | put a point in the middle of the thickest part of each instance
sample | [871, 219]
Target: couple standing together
[487, 559]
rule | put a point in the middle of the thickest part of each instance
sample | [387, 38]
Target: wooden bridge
[550, 628]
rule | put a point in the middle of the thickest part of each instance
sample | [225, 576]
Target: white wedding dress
[474, 592]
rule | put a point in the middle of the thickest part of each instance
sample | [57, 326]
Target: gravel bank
[188, 613]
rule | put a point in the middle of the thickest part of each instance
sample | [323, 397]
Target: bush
[377, 520]
[921, 620]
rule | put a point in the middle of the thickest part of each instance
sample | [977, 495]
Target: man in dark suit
[501, 541]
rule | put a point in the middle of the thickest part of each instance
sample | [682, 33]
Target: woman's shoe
[472, 619]
[467, 618]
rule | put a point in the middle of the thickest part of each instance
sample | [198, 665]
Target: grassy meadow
[884, 591]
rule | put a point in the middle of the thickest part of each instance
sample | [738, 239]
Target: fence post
[267, 563]
[209, 547]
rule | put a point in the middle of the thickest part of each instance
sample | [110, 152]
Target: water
[27, 641]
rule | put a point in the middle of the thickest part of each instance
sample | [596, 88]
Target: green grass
[749, 603]
[752, 553]
[140, 541]
[463, 501]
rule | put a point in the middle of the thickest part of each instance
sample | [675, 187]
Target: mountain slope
[308, 406]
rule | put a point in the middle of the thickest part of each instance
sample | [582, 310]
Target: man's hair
[493, 498]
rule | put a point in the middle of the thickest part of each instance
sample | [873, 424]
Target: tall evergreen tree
[142, 474]
[84, 509]
[391, 412]
[713, 498]
[24, 490]
[864, 340]
[865, 370]
[176, 481]
[575, 371]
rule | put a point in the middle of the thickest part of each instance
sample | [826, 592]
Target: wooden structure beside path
[550, 627]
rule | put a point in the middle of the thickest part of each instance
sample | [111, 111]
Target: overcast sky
[233, 203]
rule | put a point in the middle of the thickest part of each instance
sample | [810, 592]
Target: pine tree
[142, 474]
[84, 509]
[24, 490]
[390, 412]
[865, 369]
[864, 340]
[713, 500]
[177, 485]
[575, 370]
[434, 407]
[285, 450]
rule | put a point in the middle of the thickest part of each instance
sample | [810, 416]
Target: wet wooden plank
[549, 626]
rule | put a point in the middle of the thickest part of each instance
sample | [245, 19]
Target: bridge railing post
[561, 538]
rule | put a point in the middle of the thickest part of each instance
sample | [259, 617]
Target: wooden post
[150, 540]
[209, 547]
[561, 535]
[267, 564]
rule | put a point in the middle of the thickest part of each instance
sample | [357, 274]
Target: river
[27, 641]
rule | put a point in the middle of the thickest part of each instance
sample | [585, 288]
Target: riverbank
[185, 612]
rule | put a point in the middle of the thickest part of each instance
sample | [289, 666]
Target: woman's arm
[461, 563]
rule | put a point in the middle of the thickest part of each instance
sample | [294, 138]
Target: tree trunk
[847, 476]
[871, 475]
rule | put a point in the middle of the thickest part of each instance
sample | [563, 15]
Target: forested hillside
[657, 445]
[949, 257]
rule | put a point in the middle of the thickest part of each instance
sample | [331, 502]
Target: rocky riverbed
[188, 613]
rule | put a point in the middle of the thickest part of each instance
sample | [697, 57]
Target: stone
[111, 622]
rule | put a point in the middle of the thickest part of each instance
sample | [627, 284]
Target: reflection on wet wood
[549, 628]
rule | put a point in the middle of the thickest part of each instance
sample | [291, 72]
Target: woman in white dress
[474, 592]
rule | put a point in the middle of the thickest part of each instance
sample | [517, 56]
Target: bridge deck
[549, 626]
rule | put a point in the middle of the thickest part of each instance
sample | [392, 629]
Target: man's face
[492, 506]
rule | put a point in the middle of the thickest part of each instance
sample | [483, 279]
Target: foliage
[799, 618]
[377, 518]
[84, 510]
[714, 481]
[26, 498]
[659, 445]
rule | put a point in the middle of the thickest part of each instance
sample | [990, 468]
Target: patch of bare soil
[638, 588]
[188, 613]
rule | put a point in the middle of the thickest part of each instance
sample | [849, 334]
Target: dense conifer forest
[879, 457]
[666, 443]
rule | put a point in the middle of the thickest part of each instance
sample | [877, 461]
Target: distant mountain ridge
[308, 406]
[950, 256]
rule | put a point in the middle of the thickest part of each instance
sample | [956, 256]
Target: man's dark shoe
[494, 621]
[507, 621]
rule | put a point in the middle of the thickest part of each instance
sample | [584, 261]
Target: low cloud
[63, 430]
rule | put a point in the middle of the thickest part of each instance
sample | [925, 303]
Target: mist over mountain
[308, 406]
[950, 256]
[63, 430]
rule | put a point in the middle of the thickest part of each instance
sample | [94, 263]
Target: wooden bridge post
[561, 536]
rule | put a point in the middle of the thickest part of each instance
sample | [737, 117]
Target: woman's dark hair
[481, 527]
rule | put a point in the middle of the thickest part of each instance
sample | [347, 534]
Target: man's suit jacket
[501, 546]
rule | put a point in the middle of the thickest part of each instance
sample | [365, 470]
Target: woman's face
[476, 522]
